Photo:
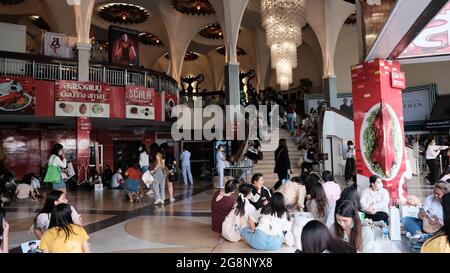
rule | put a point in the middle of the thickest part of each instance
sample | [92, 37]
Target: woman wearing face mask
[348, 227]
[143, 158]
[42, 220]
[220, 165]
[432, 153]
[375, 200]
[261, 195]
[117, 180]
[350, 166]
[58, 160]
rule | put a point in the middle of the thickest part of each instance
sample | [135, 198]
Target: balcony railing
[45, 68]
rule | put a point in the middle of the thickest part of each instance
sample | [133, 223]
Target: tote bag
[231, 226]
[53, 174]
[148, 178]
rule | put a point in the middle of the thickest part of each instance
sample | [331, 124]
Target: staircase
[266, 165]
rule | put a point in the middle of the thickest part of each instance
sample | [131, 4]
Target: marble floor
[114, 225]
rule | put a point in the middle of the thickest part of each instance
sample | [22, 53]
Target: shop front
[98, 124]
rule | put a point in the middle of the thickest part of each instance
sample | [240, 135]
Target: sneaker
[150, 192]
[408, 235]
[172, 200]
[157, 202]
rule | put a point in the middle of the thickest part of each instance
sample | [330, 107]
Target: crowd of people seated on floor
[303, 209]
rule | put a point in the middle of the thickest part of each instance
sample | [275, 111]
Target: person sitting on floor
[117, 180]
[317, 238]
[318, 203]
[375, 200]
[261, 194]
[430, 217]
[348, 227]
[294, 193]
[440, 242]
[63, 236]
[24, 191]
[221, 204]
[267, 226]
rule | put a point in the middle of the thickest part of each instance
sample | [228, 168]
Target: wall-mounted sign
[81, 99]
[398, 80]
[17, 96]
[59, 45]
[140, 102]
[170, 100]
[434, 38]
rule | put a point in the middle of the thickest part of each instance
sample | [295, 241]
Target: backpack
[231, 226]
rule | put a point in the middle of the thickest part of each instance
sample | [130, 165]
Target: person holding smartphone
[261, 195]
[429, 217]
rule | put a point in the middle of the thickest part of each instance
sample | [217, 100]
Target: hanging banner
[17, 96]
[170, 100]
[83, 142]
[139, 102]
[124, 46]
[59, 45]
[378, 119]
[81, 99]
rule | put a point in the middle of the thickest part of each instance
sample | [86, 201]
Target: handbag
[148, 178]
[231, 226]
[53, 174]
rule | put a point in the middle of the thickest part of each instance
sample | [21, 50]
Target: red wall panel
[45, 98]
[117, 102]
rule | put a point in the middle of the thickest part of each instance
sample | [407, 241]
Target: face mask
[140, 149]
[119, 171]
[380, 186]
[352, 226]
[351, 146]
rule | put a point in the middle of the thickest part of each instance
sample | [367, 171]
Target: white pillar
[84, 54]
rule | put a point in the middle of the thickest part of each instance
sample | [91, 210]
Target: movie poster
[124, 44]
[378, 119]
[17, 96]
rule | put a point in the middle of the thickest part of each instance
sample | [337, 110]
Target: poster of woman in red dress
[124, 42]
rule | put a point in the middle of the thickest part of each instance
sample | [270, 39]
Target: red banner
[81, 99]
[379, 134]
[17, 95]
[140, 102]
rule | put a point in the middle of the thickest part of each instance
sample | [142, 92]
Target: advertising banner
[378, 120]
[83, 143]
[81, 99]
[124, 46]
[170, 100]
[139, 102]
[59, 45]
[17, 96]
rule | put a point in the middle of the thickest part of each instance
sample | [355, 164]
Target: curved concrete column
[83, 15]
[181, 29]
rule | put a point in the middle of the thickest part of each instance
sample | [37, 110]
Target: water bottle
[385, 231]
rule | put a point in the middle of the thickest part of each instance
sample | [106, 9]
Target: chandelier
[283, 21]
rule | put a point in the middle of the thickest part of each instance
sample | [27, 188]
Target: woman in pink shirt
[332, 189]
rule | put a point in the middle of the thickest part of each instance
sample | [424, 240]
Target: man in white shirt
[375, 200]
[186, 166]
[432, 153]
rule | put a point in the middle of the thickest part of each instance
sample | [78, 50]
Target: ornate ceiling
[188, 57]
[240, 51]
[193, 7]
[122, 13]
[213, 31]
[39, 22]
[150, 39]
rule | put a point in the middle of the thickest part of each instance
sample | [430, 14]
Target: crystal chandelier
[283, 21]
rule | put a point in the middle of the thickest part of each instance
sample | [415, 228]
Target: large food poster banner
[124, 46]
[59, 45]
[17, 96]
[81, 99]
[378, 119]
[139, 102]
[170, 100]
